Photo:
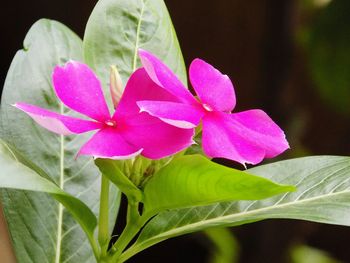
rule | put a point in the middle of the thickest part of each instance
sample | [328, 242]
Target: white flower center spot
[111, 123]
[207, 107]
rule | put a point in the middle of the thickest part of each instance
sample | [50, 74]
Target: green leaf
[323, 195]
[193, 180]
[111, 170]
[118, 28]
[196, 148]
[16, 174]
[41, 229]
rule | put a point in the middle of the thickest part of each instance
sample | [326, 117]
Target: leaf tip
[290, 188]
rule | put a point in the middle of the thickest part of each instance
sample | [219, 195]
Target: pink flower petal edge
[157, 138]
[177, 114]
[79, 89]
[246, 137]
[57, 123]
[164, 77]
[122, 136]
[138, 88]
[107, 143]
[212, 87]
[261, 129]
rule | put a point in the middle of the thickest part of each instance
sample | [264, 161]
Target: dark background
[287, 57]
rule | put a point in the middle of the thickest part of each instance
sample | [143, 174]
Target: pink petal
[140, 87]
[246, 137]
[164, 77]
[57, 123]
[79, 89]
[157, 138]
[108, 143]
[177, 114]
[212, 87]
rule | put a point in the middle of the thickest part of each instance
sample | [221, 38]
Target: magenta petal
[164, 77]
[212, 87]
[261, 129]
[177, 114]
[246, 137]
[78, 88]
[140, 87]
[57, 123]
[157, 138]
[108, 143]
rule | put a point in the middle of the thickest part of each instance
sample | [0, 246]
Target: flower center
[111, 123]
[207, 107]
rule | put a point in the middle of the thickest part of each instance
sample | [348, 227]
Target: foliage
[178, 194]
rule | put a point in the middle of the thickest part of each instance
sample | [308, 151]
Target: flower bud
[115, 86]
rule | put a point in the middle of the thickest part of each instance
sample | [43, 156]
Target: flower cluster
[156, 114]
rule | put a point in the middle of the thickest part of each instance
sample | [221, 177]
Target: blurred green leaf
[225, 247]
[328, 47]
[306, 254]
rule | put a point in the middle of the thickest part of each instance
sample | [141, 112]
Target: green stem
[94, 246]
[134, 224]
[103, 229]
[130, 252]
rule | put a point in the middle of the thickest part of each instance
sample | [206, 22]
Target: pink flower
[246, 137]
[123, 135]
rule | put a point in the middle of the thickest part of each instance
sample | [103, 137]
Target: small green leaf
[118, 28]
[323, 195]
[16, 175]
[111, 170]
[193, 180]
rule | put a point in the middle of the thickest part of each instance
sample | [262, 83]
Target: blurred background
[288, 57]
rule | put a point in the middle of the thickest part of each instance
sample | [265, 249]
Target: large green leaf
[16, 173]
[41, 229]
[323, 195]
[118, 28]
[193, 180]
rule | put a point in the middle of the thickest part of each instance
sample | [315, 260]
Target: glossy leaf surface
[323, 195]
[193, 180]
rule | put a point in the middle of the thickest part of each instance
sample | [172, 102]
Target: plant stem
[130, 252]
[103, 231]
[134, 224]
[94, 247]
